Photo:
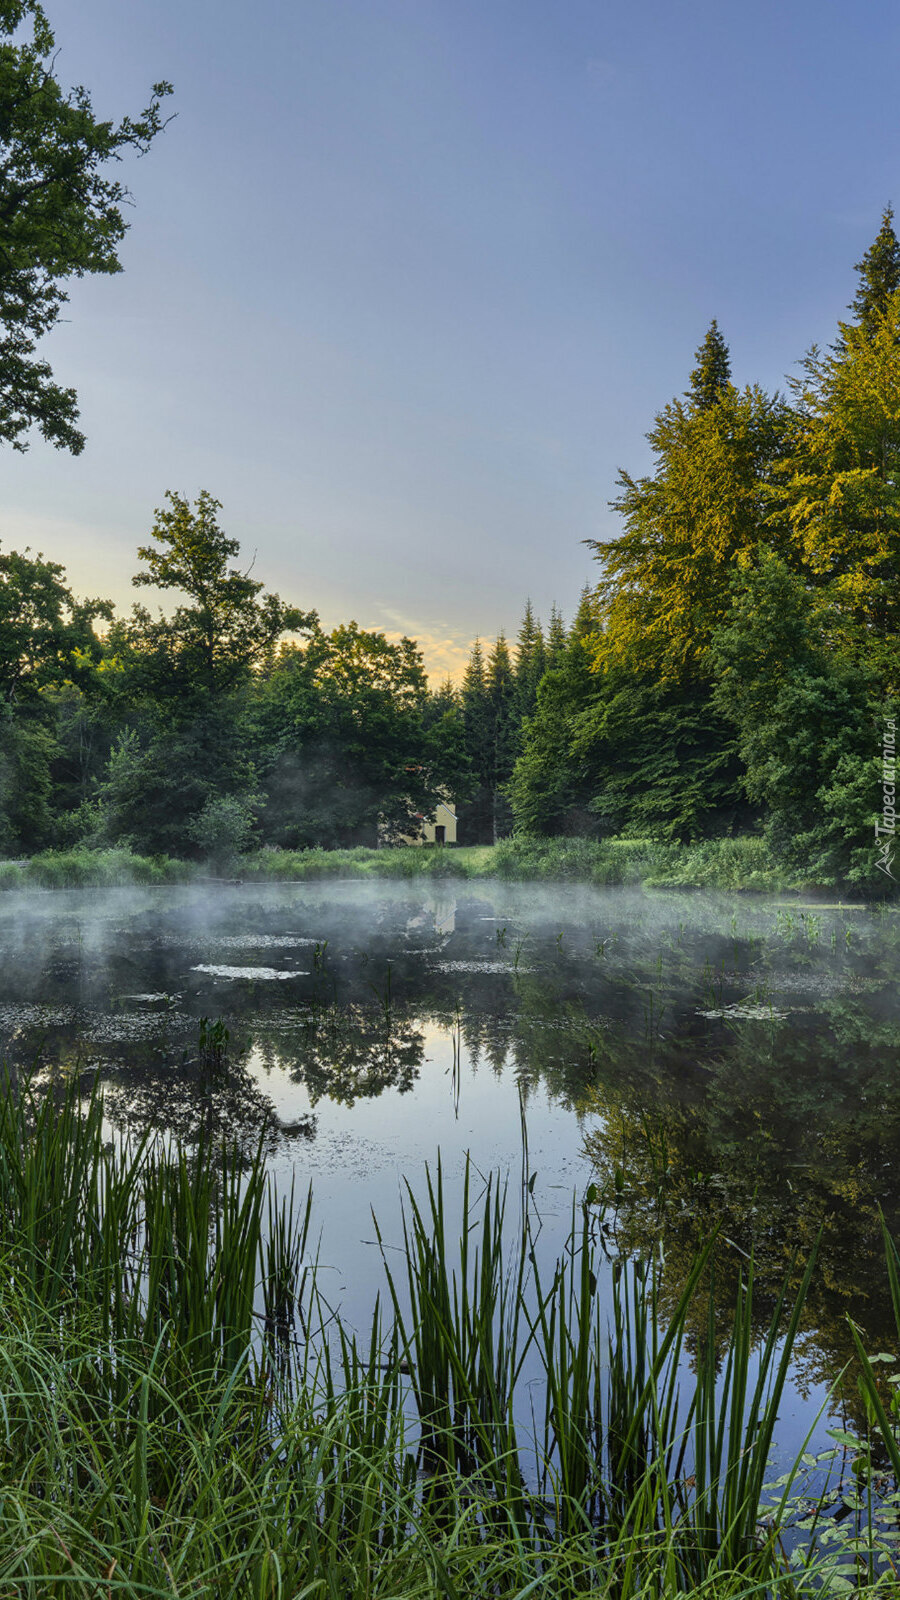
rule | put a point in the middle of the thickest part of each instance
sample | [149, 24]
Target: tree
[48, 647]
[231, 627]
[550, 789]
[807, 717]
[185, 746]
[712, 374]
[838, 488]
[492, 724]
[475, 818]
[504, 726]
[665, 583]
[447, 753]
[163, 777]
[531, 661]
[556, 638]
[879, 275]
[338, 736]
[618, 749]
[46, 635]
[60, 215]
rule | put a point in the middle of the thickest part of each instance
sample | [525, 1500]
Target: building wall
[444, 817]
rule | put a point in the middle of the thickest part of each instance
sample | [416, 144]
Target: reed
[181, 1412]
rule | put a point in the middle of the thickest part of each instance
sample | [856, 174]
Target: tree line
[235, 719]
[738, 664]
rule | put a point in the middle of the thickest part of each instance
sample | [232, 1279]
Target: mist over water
[702, 1061]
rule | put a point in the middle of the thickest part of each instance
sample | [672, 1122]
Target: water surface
[701, 1061]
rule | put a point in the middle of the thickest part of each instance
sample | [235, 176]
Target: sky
[407, 280]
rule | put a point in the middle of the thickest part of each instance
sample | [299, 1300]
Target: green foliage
[530, 662]
[665, 583]
[230, 628]
[732, 669]
[808, 723]
[879, 275]
[160, 780]
[838, 489]
[550, 789]
[223, 829]
[61, 216]
[46, 635]
[498, 695]
[185, 1445]
[658, 759]
[618, 750]
[27, 750]
[712, 375]
[342, 744]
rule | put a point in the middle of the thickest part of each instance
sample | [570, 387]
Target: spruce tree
[587, 619]
[666, 578]
[556, 638]
[879, 275]
[475, 818]
[839, 488]
[505, 724]
[712, 373]
[530, 661]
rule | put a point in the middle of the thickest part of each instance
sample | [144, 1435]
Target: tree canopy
[61, 214]
[230, 626]
[665, 583]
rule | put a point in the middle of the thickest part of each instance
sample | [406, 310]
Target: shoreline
[743, 864]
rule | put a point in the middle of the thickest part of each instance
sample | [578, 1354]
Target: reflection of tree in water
[787, 1128]
[194, 1098]
[348, 1053]
[767, 1128]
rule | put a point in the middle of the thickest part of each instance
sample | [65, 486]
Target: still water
[699, 1061]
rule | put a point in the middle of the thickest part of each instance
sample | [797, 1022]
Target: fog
[736, 1056]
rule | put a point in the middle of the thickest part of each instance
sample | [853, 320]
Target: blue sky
[407, 280]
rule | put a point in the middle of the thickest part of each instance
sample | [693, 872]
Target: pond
[689, 1062]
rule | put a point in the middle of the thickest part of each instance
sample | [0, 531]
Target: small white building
[439, 829]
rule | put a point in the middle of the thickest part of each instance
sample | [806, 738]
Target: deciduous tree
[61, 214]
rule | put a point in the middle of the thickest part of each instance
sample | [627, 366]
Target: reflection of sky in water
[378, 1024]
[362, 1153]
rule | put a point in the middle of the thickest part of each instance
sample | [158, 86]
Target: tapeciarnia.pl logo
[886, 828]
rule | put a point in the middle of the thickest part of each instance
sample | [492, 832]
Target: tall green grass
[182, 1413]
[744, 862]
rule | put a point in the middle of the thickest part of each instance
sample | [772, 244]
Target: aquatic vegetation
[178, 1389]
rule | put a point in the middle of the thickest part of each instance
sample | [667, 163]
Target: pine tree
[879, 275]
[712, 373]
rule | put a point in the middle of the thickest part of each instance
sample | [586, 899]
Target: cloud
[445, 651]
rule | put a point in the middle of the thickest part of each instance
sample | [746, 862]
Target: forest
[734, 666]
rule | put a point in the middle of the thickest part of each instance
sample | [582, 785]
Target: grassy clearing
[727, 864]
[181, 1414]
